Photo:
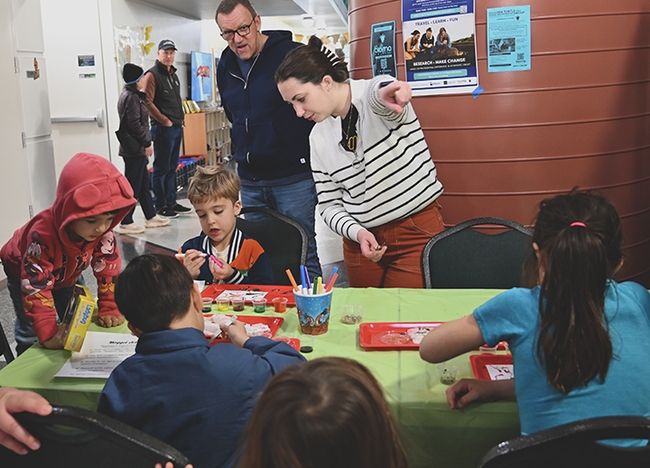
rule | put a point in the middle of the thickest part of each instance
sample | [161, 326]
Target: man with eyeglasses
[165, 106]
[271, 142]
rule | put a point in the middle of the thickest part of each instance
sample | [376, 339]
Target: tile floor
[169, 238]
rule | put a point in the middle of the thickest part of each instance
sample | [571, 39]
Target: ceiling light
[307, 21]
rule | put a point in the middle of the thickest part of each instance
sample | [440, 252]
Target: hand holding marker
[181, 256]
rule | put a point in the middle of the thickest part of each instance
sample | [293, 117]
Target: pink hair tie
[578, 223]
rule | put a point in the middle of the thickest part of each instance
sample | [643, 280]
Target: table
[433, 434]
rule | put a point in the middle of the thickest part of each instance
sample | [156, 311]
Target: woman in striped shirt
[377, 185]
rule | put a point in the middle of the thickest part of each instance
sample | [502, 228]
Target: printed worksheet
[500, 371]
[99, 355]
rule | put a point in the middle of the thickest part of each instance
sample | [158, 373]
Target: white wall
[186, 34]
[14, 176]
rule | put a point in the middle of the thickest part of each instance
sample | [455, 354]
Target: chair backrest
[461, 257]
[77, 437]
[575, 445]
[283, 239]
[5, 349]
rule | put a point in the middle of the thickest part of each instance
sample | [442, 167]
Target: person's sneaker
[167, 213]
[178, 208]
[156, 221]
[129, 229]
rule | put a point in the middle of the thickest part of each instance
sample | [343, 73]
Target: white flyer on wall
[439, 46]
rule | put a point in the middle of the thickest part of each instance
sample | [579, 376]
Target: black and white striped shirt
[393, 176]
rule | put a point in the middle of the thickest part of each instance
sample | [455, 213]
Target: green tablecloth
[434, 435]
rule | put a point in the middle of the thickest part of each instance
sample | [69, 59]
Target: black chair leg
[5, 349]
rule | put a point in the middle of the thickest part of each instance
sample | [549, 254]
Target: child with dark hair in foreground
[579, 339]
[177, 387]
[329, 412]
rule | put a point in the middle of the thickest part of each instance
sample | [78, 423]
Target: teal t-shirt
[513, 316]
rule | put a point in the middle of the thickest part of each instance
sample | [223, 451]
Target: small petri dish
[394, 337]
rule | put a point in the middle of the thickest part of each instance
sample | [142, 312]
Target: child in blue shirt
[579, 339]
[214, 193]
[177, 387]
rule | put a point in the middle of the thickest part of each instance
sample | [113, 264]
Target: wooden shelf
[207, 134]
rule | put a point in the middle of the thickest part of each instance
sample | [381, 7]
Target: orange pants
[401, 265]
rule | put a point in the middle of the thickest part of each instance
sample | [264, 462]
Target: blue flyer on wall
[439, 46]
[382, 49]
[508, 38]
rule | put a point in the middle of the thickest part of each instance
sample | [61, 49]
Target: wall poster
[439, 46]
[382, 49]
[508, 38]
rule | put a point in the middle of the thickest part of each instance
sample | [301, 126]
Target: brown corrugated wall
[579, 117]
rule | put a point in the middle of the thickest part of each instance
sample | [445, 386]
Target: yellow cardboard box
[77, 317]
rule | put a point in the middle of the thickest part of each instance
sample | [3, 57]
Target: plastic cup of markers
[223, 305]
[238, 303]
[313, 312]
[280, 304]
[259, 305]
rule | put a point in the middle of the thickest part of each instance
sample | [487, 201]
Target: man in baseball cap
[163, 90]
[166, 44]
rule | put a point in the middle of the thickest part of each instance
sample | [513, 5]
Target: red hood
[90, 185]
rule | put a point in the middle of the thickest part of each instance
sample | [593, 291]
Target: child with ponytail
[579, 339]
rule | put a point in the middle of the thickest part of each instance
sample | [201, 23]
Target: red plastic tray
[370, 334]
[272, 291]
[479, 361]
[293, 342]
[273, 323]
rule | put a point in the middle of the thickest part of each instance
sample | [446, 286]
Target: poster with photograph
[382, 49]
[201, 69]
[440, 46]
[508, 38]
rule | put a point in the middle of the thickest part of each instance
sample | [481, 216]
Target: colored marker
[293, 281]
[182, 255]
[331, 285]
[329, 280]
[307, 279]
[303, 281]
[216, 260]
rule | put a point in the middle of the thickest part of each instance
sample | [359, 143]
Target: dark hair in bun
[310, 63]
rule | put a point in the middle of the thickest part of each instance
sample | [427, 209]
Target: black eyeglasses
[243, 31]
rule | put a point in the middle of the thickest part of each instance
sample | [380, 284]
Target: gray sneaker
[129, 229]
[156, 221]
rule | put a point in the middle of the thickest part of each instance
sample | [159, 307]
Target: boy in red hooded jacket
[45, 258]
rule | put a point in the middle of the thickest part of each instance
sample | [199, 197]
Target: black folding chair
[79, 438]
[5, 349]
[283, 239]
[461, 257]
[575, 445]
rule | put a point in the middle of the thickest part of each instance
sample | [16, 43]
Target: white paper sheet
[99, 355]
[248, 296]
[500, 371]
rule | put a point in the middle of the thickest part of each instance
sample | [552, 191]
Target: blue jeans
[24, 333]
[297, 201]
[166, 147]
